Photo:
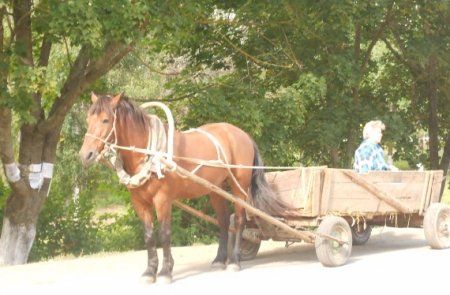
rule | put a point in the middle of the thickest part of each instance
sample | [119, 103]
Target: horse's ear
[116, 99]
[94, 97]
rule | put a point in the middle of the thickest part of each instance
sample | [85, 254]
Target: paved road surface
[393, 261]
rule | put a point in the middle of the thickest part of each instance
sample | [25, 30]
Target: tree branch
[83, 73]
[412, 65]
[69, 92]
[396, 54]
[377, 37]
[152, 69]
[251, 57]
[22, 22]
[6, 147]
[113, 53]
[45, 51]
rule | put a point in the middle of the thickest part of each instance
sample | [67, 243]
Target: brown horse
[117, 120]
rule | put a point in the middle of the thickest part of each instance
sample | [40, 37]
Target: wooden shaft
[377, 192]
[195, 212]
[303, 235]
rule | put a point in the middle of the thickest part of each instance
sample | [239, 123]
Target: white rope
[219, 150]
[155, 154]
[209, 163]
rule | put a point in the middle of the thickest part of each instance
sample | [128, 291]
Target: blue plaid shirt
[369, 156]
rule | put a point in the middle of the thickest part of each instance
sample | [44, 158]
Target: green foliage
[188, 229]
[4, 193]
[117, 232]
[65, 227]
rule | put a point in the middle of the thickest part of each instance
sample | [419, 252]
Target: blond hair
[371, 126]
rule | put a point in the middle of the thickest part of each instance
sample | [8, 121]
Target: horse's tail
[263, 197]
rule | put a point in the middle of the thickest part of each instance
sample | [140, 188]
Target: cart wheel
[436, 225]
[248, 249]
[361, 236]
[328, 251]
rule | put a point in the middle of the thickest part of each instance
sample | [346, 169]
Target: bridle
[112, 157]
[108, 145]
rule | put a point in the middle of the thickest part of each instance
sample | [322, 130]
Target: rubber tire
[360, 238]
[329, 252]
[436, 226]
[248, 250]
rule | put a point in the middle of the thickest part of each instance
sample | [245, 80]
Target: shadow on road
[303, 254]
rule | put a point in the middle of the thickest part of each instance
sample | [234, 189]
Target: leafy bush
[4, 193]
[65, 228]
[117, 232]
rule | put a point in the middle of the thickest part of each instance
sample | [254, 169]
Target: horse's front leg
[144, 212]
[164, 217]
[149, 274]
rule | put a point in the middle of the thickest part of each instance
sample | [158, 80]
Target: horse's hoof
[218, 266]
[165, 280]
[233, 267]
[146, 279]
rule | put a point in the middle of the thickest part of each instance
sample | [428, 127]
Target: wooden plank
[317, 192]
[325, 196]
[428, 195]
[425, 192]
[438, 182]
[287, 186]
[378, 193]
[385, 176]
[195, 212]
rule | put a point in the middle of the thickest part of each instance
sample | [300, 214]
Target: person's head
[373, 131]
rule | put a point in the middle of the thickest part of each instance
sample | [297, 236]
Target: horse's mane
[127, 111]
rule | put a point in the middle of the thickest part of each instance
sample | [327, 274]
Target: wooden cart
[335, 208]
[340, 207]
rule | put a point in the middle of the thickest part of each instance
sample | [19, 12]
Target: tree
[332, 61]
[309, 60]
[418, 39]
[50, 53]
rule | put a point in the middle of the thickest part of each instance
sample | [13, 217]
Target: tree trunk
[20, 220]
[15, 242]
[30, 184]
[433, 130]
[19, 225]
[30, 179]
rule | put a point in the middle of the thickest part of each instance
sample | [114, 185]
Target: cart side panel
[345, 196]
[438, 182]
[301, 188]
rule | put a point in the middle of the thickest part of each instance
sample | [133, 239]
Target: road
[393, 261]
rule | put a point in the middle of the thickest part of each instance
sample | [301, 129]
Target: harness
[157, 144]
[160, 144]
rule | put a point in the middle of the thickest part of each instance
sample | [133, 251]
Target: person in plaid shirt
[369, 155]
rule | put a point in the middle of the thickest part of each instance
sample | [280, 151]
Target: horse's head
[100, 120]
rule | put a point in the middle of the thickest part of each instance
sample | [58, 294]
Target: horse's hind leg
[235, 257]
[239, 186]
[223, 217]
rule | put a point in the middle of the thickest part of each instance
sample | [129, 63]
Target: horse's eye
[105, 121]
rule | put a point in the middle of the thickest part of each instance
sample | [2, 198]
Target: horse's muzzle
[88, 157]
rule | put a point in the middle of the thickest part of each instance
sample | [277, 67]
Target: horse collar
[157, 142]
